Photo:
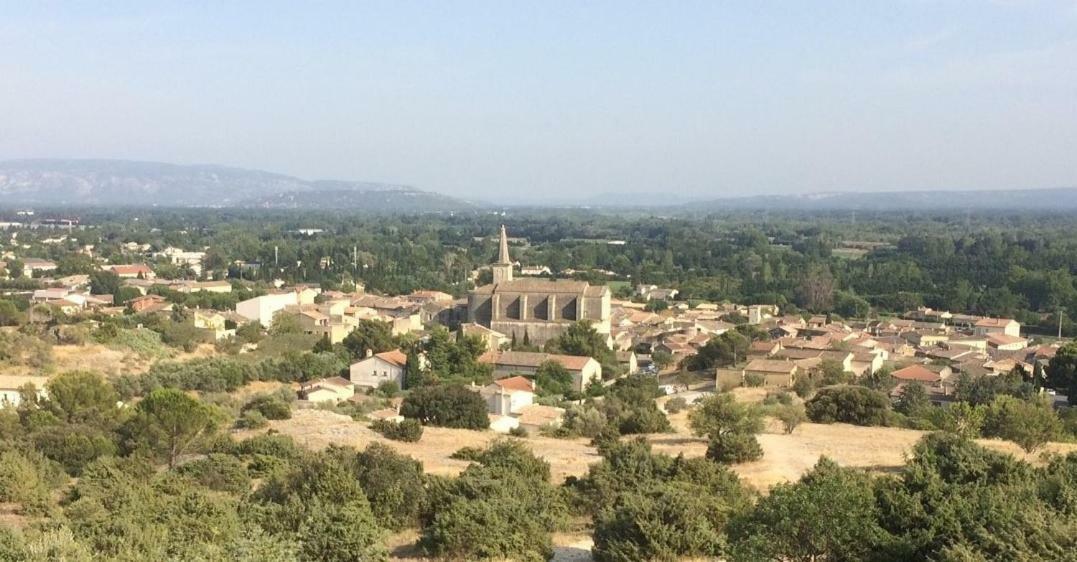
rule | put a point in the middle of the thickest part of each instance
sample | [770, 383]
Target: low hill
[128, 183]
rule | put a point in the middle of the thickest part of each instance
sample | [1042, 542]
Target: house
[928, 374]
[423, 297]
[262, 309]
[629, 361]
[505, 397]
[30, 266]
[584, 370]
[148, 304]
[986, 326]
[379, 368]
[773, 371]
[933, 377]
[11, 388]
[493, 339]
[537, 417]
[764, 348]
[215, 322]
[1006, 342]
[132, 271]
[333, 389]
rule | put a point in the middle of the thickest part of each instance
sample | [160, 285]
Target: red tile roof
[517, 383]
[396, 357]
[916, 373]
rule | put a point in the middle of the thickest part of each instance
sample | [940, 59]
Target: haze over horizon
[559, 100]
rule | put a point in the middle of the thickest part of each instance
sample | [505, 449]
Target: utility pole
[276, 257]
[1061, 309]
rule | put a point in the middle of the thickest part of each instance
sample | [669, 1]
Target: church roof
[549, 286]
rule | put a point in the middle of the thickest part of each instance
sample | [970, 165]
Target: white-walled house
[508, 396]
[988, 326]
[262, 309]
[379, 368]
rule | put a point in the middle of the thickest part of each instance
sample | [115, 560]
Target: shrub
[389, 389]
[733, 447]
[518, 432]
[271, 407]
[754, 380]
[791, 416]
[467, 454]
[223, 473]
[676, 404]
[406, 430]
[251, 419]
[394, 485]
[857, 405]
[1029, 424]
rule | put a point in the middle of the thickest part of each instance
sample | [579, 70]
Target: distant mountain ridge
[132, 183]
[1052, 199]
[123, 183]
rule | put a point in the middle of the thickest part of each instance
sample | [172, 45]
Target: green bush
[406, 430]
[223, 473]
[676, 404]
[271, 407]
[857, 405]
[734, 447]
[251, 419]
[446, 406]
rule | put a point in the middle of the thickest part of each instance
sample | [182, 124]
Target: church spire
[502, 269]
[503, 251]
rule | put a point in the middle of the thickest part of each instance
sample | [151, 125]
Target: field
[785, 458]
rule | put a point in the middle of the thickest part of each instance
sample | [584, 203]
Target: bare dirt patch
[785, 457]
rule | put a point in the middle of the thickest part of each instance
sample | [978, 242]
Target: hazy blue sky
[567, 98]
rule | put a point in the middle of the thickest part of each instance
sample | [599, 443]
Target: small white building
[508, 396]
[333, 389]
[262, 309]
[379, 368]
[11, 388]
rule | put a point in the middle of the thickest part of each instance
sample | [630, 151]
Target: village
[555, 363]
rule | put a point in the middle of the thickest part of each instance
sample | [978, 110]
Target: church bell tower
[502, 268]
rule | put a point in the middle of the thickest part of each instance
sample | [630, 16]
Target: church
[540, 309]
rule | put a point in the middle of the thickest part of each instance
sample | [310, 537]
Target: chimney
[370, 353]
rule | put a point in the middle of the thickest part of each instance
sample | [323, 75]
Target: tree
[15, 268]
[816, 290]
[849, 404]
[446, 405]
[104, 282]
[394, 485]
[552, 377]
[82, 396]
[168, 422]
[1062, 371]
[791, 416]
[832, 372]
[960, 418]
[794, 521]
[850, 305]
[661, 359]
[720, 351]
[1029, 424]
[581, 339]
[914, 400]
[721, 414]
[368, 337]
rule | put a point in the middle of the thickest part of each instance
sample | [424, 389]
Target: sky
[559, 100]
